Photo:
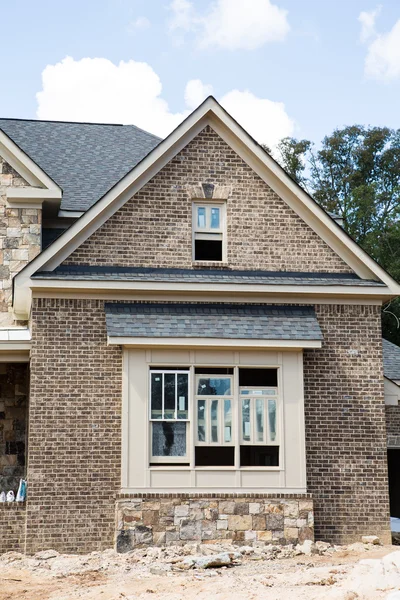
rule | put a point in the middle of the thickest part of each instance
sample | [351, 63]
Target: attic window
[209, 231]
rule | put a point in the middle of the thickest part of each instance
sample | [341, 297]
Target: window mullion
[162, 397]
[176, 397]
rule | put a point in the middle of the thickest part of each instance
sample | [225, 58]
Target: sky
[280, 67]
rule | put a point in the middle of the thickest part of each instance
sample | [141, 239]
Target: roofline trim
[209, 112]
[136, 342]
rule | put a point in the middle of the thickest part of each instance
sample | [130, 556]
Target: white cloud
[196, 92]
[367, 20]
[138, 24]
[383, 56]
[96, 90]
[265, 120]
[231, 24]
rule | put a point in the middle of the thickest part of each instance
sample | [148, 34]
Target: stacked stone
[179, 520]
[20, 238]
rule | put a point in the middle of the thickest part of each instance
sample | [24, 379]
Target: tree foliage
[356, 174]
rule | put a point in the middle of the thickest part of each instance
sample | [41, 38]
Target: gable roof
[391, 360]
[84, 159]
[212, 114]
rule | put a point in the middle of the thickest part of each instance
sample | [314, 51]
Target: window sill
[210, 264]
[161, 467]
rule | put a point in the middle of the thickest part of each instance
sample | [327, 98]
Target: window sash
[208, 208]
[178, 401]
[259, 416]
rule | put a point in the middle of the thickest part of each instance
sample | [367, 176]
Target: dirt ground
[357, 572]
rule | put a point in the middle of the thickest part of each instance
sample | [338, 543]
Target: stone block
[182, 510]
[222, 524]
[227, 508]
[239, 522]
[241, 508]
[306, 533]
[125, 541]
[150, 517]
[171, 536]
[190, 530]
[254, 508]
[291, 533]
[264, 536]
[291, 509]
[273, 507]
[259, 522]
[274, 521]
[211, 514]
[250, 536]
[159, 538]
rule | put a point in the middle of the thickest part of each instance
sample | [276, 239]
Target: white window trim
[221, 421]
[207, 232]
[169, 459]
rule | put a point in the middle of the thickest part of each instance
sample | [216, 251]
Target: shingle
[227, 321]
[93, 273]
[391, 360]
[84, 159]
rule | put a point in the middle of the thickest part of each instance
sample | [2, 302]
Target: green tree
[356, 174]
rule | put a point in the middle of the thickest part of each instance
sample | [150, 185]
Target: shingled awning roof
[391, 360]
[212, 321]
[100, 273]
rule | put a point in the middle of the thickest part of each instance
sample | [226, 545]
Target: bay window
[212, 424]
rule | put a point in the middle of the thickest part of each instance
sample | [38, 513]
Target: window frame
[208, 398]
[188, 462]
[266, 441]
[169, 459]
[207, 232]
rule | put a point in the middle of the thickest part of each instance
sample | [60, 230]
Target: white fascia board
[231, 288]
[14, 346]
[31, 197]
[24, 165]
[14, 334]
[136, 342]
[70, 214]
[210, 112]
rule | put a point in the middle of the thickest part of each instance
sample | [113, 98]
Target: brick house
[190, 347]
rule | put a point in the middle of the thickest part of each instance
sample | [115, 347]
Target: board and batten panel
[137, 476]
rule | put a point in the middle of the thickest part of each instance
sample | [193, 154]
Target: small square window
[209, 232]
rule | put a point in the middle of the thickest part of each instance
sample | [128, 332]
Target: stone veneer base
[166, 519]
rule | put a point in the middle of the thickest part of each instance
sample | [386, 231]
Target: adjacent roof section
[391, 360]
[92, 273]
[84, 159]
[222, 321]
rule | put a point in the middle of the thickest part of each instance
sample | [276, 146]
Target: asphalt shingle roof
[391, 360]
[91, 273]
[229, 321]
[84, 159]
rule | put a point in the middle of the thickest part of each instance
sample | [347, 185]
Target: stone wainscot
[163, 519]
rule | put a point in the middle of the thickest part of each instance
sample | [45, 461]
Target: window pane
[182, 396]
[169, 439]
[215, 218]
[227, 421]
[201, 216]
[272, 419]
[214, 421]
[169, 395]
[246, 420]
[214, 386]
[201, 420]
[260, 419]
[156, 396]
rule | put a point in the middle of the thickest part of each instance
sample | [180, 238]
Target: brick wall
[75, 425]
[14, 381]
[157, 519]
[393, 426]
[153, 229]
[345, 426]
[74, 449]
[20, 235]
[12, 527]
